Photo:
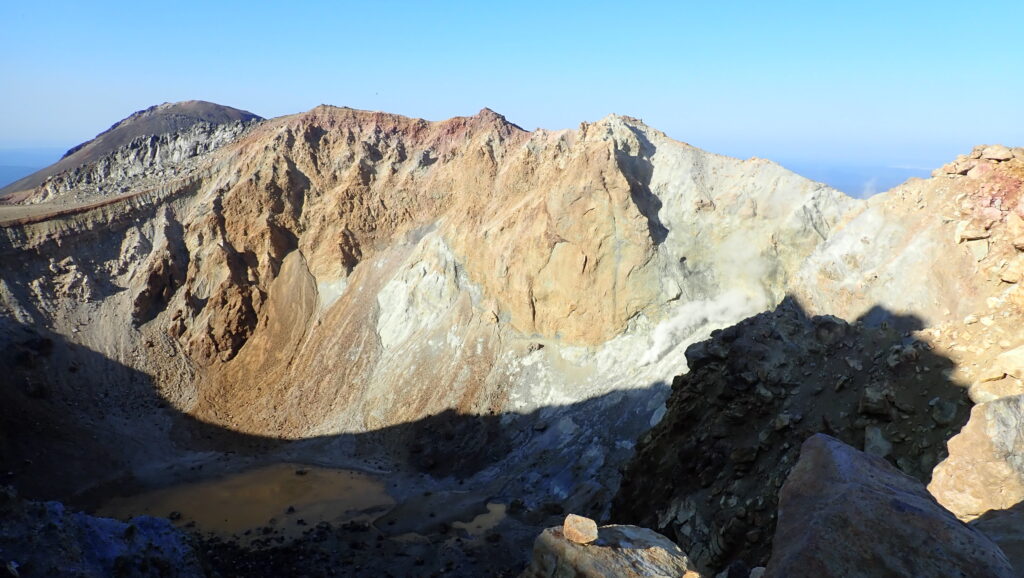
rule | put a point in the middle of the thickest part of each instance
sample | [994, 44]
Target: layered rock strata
[339, 271]
[481, 303]
[155, 122]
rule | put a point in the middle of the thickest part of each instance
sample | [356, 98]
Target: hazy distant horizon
[860, 181]
[883, 84]
[911, 161]
[16, 163]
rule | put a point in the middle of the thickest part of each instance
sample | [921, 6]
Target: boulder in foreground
[618, 551]
[1006, 529]
[845, 513]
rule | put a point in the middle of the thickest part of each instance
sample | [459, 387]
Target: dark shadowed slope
[155, 120]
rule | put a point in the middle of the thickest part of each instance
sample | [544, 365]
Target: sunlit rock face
[462, 298]
[907, 313]
[341, 271]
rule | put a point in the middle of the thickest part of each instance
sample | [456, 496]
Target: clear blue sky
[895, 83]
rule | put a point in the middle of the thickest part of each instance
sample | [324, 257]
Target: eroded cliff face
[341, 271]
[502, 310]
[897, 323]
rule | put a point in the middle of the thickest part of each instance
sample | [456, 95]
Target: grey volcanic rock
[145, 160]
[163, 119]
[1006, 529]
[46, 539]
[843, 513]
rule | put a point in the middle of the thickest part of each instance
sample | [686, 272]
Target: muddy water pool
[483, 523]
[289, 497]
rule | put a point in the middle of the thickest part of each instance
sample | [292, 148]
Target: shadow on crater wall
[639, 170]
[79, 427]
[73, 418]
[76, 425]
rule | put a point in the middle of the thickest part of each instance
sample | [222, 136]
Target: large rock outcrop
[845, 513]
[946, 251]
[618, 552]
[341, 271]
[709, 473]
[144, 162]
[985, 467]
[934, 264]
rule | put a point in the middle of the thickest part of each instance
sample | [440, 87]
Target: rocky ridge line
[156, 120]
[143, 163]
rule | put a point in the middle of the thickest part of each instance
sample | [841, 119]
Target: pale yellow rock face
[983, 471]
[573, 261]
[543, 222]
[991, 390]
[541, 225]
[1011, 362]
[302, 273]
